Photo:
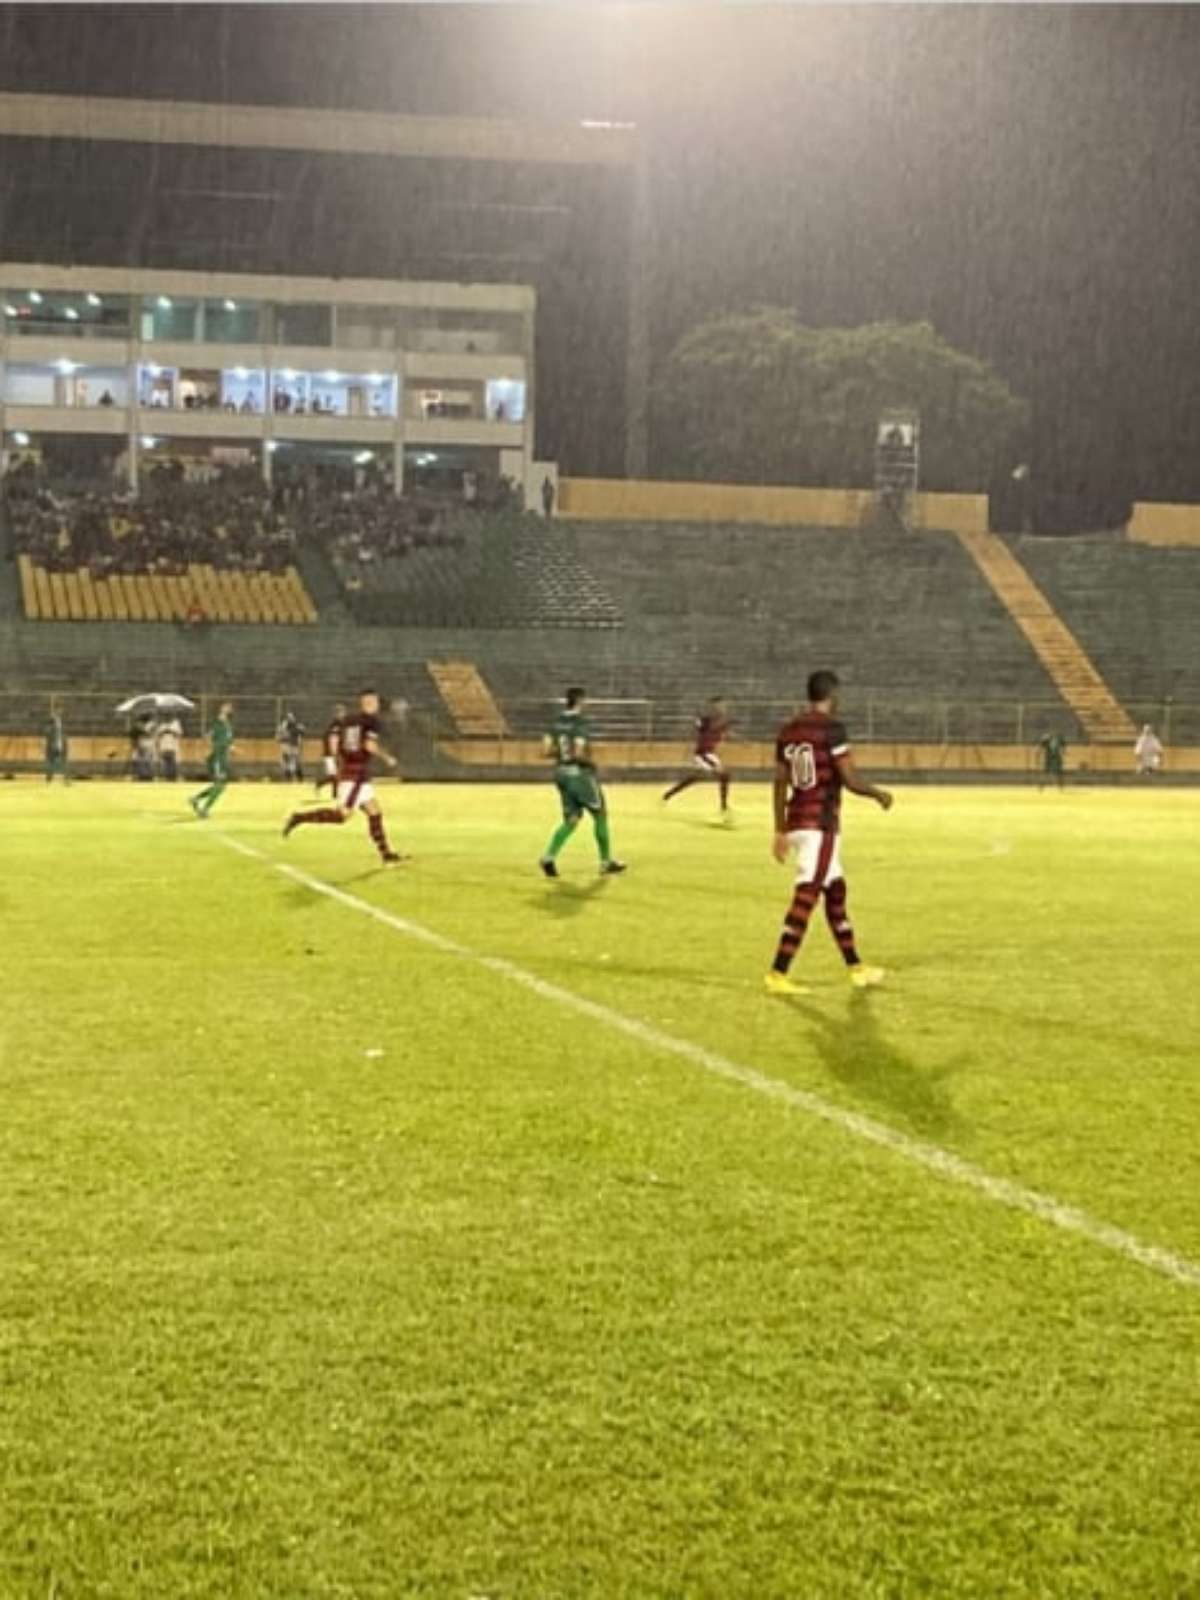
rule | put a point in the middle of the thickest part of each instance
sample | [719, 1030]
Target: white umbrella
[154, 702]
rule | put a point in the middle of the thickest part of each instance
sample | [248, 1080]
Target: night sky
[1027, 178]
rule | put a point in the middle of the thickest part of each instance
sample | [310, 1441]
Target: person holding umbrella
[148, 737]
[220, 750]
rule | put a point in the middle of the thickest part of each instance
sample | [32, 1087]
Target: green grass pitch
[335, 1264]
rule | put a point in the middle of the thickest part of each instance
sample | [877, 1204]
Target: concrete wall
[1165, 524]
[639, 500]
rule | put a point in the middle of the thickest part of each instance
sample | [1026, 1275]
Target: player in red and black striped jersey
[813, 765]
[711, 728]
[357, 745]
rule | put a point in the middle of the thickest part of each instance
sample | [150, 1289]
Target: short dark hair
[574, 696]
[821, 684]
[363, 693]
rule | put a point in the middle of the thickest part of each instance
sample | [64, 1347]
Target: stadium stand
[1134, 607]
[1080, 684]
[214, 552]
[928, 652]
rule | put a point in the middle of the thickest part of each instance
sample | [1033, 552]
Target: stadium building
[229, 367]
[275, 195]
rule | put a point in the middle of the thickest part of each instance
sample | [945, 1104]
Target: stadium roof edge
[53, 116]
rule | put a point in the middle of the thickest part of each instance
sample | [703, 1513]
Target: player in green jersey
[56, 748]
[220, 748]
[569, 745]
[1053, 750]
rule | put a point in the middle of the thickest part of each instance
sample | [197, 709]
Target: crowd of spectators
[230, 519]
[229, 522]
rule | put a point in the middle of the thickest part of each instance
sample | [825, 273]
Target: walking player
[220, 749]
[569, 743]
[813, 765]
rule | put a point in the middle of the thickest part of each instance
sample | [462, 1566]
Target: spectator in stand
[167, 738]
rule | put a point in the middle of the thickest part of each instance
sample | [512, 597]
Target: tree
[757, 397]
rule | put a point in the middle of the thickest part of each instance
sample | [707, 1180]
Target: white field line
[931, 1156]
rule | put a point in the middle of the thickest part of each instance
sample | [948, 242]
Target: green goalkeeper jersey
[569, 742]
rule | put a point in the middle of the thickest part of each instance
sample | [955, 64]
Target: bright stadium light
[64, 365]
[11, 311]
[330, 376]
[272, 446]
[361, 457]
[71, 314]
[21, 438]
[374, 377]
[93, 299]
[239, 372]
[289, 373]
[164, 301]
[231, 305]
[34, 297]
[148, 442]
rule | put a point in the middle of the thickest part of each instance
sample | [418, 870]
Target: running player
[329, 748]
[569, 743]
[220, 749]
[357, 746]
[711, 727]
[813, 765]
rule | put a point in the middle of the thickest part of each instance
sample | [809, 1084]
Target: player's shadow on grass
[567, 899]
[854, 1050]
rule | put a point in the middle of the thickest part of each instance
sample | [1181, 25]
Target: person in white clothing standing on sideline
[1148, 751]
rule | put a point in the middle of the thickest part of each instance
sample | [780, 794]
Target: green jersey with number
[570, 740]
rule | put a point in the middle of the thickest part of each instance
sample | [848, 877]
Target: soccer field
[339, 1262]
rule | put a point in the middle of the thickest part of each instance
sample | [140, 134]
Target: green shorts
[218, 768]
[579, 792]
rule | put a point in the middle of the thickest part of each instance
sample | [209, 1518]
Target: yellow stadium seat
[104, 599]
[75, 609]
[44, 595]
[59, 608]
[29, 593]
[91, 606]
[133, 598]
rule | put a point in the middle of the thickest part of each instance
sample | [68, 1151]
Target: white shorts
[818, 856]
[707, 761]
[330, 765]
[353, 794]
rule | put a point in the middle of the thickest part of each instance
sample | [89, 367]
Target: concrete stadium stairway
[1064, 658]
[467, 698]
